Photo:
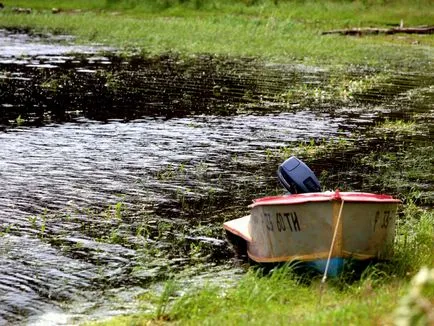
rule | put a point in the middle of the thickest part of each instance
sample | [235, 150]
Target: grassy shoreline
[380, 295]
[286, 32]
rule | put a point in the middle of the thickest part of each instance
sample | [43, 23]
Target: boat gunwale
[352, 197]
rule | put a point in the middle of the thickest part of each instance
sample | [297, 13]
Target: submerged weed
[39, 222]
[402, 171]
[167, 173]
[6, 229]
[116, 237]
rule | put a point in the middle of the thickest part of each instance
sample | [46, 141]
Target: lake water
[105, 192]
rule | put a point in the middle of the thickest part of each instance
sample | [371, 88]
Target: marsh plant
[342, 89]
[20, 121]
[6, 229]
[112, 81]
[399, 127]
[172, 171]
[312, 148]
[165, 299]
[55, 84]
[39, 222]
[404, 171]
[115, 211]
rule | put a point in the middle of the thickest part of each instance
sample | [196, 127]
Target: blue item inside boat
[296, 177]
[336, 266]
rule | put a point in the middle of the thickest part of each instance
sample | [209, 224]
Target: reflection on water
[15, 45]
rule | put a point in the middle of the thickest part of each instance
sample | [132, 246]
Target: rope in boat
[338, 223]
[324, 278]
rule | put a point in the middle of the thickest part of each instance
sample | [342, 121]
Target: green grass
[282, 300]
[284, 32]
[284, 297]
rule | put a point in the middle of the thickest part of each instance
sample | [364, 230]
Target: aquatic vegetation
[116, 237]
[116, 210]
[400, 126]
[39, 222]
[172, 171]
[403, 171]
[50, 84]
[112, 80]
[19, 120]
[343, 88]
[312, 148]
[165, 297]
[6, 229]
[420, 95]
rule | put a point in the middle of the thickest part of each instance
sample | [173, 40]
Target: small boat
[324, 229]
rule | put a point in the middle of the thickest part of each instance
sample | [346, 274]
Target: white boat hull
[301, 228]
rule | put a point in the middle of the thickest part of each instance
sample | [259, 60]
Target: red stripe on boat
[323, 197]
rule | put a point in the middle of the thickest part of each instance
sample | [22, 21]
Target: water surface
[122, 172]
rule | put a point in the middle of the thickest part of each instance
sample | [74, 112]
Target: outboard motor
[296, 177]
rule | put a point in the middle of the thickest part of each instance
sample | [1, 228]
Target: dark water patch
[113, 87]
[36, 90]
